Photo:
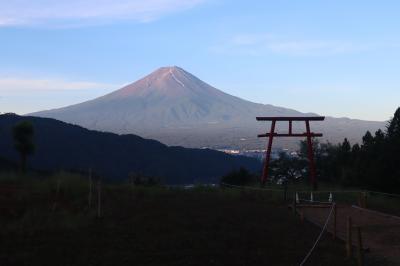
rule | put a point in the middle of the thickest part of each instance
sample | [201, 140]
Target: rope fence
[308, 202]
[383, 193]
[319, 236]
[251, 188]
[314, 191]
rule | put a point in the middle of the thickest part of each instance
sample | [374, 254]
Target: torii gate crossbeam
[308, 134]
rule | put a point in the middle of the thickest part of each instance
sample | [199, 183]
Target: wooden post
[133, 177]
[360, 257]
[57, 194]
[364, 200]
[294, 203]
[285, 187]
[349, 243]
[99, 198]
[90, 189]
[301, 216]
[334, 220]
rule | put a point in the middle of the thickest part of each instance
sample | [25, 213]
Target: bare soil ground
[380, 232]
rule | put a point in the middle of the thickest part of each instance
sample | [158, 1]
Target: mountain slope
[69, 147]
[176, 108]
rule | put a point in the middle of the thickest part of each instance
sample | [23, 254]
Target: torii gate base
[308, 134]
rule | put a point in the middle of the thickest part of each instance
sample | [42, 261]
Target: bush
[239, 177]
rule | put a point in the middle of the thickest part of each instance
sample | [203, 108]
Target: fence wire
[319, 237]
[251, 188]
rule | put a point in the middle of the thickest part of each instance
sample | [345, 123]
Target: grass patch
[156, 226]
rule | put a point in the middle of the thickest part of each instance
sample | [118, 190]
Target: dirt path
[380, 232]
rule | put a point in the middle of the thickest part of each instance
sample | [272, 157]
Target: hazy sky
[338, 58]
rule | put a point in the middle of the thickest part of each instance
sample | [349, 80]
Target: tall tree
[367, 140]
[23, 133]
[287, 168]
[346, 147]
[390, 159]
[393, 129]
[372, 165]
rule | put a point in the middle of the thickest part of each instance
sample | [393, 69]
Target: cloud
[263, 44]
[73, 12]
[15, 84]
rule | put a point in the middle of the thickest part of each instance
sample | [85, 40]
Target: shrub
[239, 177]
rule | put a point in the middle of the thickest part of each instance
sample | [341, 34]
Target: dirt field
[163, 227]
[380, 232]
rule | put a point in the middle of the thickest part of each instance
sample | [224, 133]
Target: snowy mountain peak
[177, 108]
[170, 82]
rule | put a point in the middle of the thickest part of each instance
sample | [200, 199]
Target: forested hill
[62, 146]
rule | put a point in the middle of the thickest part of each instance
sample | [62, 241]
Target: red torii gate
[307, 134]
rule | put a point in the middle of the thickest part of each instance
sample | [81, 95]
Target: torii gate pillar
[308, 134]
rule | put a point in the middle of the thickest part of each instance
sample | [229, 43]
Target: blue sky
[337, 58]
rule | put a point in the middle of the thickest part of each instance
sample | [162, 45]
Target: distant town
[259, 154]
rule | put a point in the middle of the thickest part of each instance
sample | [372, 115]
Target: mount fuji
[178, 109]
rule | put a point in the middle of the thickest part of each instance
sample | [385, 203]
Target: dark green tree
[239, 177]
[355, 149]
[303, 152]
[367, 140]
[345, 147]
[389, 152]
[373, 165]
[23, 133]
[393, 128]
[287, 168]
[379, 136]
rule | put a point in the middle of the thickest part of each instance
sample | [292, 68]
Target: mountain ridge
[177, 108]
[62, 146]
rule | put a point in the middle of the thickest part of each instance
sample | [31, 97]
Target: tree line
[373, 164]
